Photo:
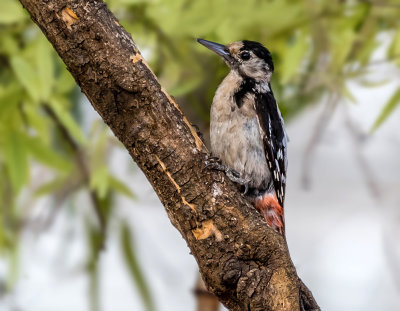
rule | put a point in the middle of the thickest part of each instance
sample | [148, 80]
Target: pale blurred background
[80, 226]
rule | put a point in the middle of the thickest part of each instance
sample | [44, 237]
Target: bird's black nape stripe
[247, 86]
[260, 51]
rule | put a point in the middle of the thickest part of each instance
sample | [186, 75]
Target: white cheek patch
[257, 69]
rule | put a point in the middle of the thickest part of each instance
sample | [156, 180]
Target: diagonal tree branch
[244, 262]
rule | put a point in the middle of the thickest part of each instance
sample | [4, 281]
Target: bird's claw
[215, 166]
[235, 177]
[215, 163]
[213, 159]
[234, 173]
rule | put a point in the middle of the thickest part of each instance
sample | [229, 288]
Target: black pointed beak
[217, 48]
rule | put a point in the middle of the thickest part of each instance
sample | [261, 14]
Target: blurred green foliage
[317, 47]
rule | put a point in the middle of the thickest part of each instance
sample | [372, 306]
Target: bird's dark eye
[245, 56]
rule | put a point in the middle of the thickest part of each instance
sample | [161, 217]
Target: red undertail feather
[269, 207]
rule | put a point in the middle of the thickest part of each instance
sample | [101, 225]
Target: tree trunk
[243, 261]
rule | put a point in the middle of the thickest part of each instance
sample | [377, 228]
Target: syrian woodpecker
[246, 128]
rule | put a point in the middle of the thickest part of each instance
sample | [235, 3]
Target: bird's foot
[235, 177]
[211, 160]
[215, 163]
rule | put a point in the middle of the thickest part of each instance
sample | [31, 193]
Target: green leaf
[13, 269]
[16, 159]
[293, 57]
[120, 187]
[45, 67]
[366, 51]
[59, 107]
[11, 12]
[342, 43]
[39, 123]
[98, 145]
[95, 243]
[9, 45]
[99, 181]
[394, 49]
[368, 83]
[134, 268]
[10, 97]
[46, 155]
[387, 110]
[3, 237]
[51, 187]
[64, 82]
[348, 94]
[26, 76]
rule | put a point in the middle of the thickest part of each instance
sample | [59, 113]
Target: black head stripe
[260, 51]
[247, 86]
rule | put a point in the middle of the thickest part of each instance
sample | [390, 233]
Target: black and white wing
[275, 140]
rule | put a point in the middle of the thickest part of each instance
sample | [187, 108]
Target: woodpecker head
[250, 59]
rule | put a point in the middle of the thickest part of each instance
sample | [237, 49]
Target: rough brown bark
[244, 262]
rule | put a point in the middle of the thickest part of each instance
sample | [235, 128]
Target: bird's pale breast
[236, 136]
